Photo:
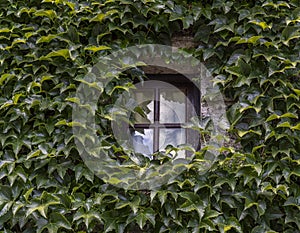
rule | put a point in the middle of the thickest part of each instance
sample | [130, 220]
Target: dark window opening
[170, 102]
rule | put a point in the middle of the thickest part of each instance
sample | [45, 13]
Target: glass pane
[143, 141]
[172, 106]
[172, 137]
[145, 100]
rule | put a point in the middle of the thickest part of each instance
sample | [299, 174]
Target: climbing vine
[250, 47]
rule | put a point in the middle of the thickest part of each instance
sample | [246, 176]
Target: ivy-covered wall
[250, 47]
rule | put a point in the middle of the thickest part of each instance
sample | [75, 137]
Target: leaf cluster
[47, 47]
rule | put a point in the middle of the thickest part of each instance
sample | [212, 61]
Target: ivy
[47, 47]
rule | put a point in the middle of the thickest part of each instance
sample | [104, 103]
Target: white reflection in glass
[172, 106]
[172, 137]
[143, 142]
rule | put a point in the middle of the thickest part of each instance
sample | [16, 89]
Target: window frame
[192, 93]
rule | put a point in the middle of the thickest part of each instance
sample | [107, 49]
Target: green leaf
[296, 127]
[262, 24]
[134, 204]
[297, 91]
[6, 104]
[222, 180]
[273, 117]
[33, 154]
[47, 13]
[46, 39]
[73, 100]
[87, 216]
[4, 30]
[28, 193]
[96, 48]
[289, 115]
[65, 53]
[233, 223]
[290, 33]
[193, 203]
[100, 17]
[5, 78]
[251, 40]
[42, 207]
[243, 133]
[57, 221]
[145, 215]
[6, 208]
[284, 125]
[293, 216]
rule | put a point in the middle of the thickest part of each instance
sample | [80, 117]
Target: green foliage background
[252, 50]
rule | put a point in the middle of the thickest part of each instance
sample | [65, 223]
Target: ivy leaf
[293, 216]
[101, 16]
[251, 40]
[51, 14]
[97, 48]
[6, 209]
[145, 215]
[134, 204]
[42, 204]
[297, 91]
[87, 216]
[193, 202]
[46, 39]
[261, 24]
[187, 21]
[57, 221]
[65, 53]
[290, 33]
[33, 154]
[6, 78]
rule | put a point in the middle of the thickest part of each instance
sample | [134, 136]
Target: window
[169, 102]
